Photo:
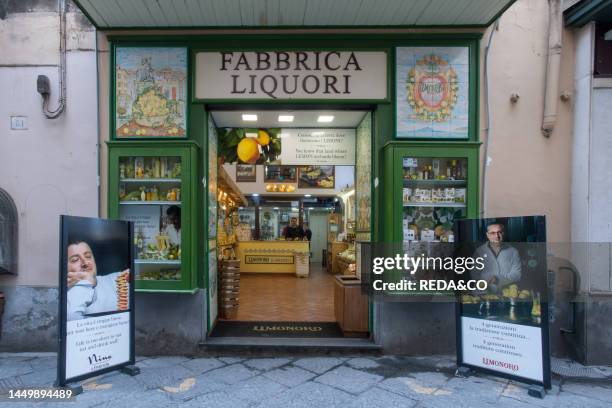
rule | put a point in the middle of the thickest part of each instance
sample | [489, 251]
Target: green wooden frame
[394, 152]
[187, 151]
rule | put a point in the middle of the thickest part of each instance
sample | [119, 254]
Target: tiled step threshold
[291, 344]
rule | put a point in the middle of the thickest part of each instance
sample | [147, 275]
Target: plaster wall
[529, 174]
[50, 168]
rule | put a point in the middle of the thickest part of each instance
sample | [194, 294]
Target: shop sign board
[270, 259]
[288, 75]
[503, 330]
[332, 147]
[96, 307]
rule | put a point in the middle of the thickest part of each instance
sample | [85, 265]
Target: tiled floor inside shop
[285, 297]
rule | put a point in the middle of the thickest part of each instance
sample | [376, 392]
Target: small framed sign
[246, 173]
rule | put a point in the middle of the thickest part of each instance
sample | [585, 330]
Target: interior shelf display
[433, 194]
[153, 187]
[434, 187]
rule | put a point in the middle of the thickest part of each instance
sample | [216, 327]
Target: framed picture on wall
[432, 92]
[246, 173]
[150, 99]
[316, 177]
[280, 174]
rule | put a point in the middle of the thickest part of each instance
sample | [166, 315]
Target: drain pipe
[553, 67]
[42, 83]
[487, 129]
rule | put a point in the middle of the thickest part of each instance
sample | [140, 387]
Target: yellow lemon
[263, 138]
[248, 150]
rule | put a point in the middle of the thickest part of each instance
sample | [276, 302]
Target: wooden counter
[269, 256]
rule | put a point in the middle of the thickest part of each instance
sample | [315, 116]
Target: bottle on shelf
[154, 194]
[436, 168]
[156, 167]
[143, 194]
[454, 169]
[448, 170]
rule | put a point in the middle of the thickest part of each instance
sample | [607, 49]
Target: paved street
[330, 381]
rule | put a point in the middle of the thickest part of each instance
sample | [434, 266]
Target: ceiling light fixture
[325, 118]
[285, 118]
[307, 195]
[249, 117]
[255, 194]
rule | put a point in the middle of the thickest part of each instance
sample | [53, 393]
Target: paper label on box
[428, 235]
[410, 162]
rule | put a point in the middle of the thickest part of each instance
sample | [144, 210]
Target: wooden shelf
[150, 180]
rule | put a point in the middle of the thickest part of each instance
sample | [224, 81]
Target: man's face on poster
[495, 233]
[81, 263]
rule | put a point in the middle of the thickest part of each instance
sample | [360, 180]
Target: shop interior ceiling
[301, 118]
[113, 14]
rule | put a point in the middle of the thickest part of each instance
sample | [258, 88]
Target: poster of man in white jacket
[502, 262]
[90, 293]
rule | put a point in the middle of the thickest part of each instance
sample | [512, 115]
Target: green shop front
[416, 164]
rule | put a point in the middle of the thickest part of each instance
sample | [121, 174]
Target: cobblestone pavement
[287, 382]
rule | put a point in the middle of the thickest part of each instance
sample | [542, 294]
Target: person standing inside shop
[502, 262]
[173, 229]
[307, 232]
[293, 230]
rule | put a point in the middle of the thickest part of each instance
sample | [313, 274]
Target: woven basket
[229, 288]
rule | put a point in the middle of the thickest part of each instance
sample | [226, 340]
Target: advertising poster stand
[517, 350]
[536, 388]
[113, 237]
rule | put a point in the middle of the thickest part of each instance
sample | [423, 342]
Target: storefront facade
[256, 78]
[177, 318]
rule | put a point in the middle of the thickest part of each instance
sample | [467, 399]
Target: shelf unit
[155, 229]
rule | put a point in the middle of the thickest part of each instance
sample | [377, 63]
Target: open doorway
[285, 220]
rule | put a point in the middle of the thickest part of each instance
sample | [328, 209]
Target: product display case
[153, 184]
[431, 187]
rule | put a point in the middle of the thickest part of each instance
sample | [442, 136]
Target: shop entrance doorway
[318, 241]
[281, 217]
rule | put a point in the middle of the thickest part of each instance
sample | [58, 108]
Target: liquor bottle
[157, 168]
[143, 194]
[448, 170]
[436, 168]
[454, 169]
[430, 172]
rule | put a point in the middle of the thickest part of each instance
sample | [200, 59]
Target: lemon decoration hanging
[263, 137]
[248, 150]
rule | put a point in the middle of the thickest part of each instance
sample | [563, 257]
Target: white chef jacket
[85, 299]
[506, 266]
